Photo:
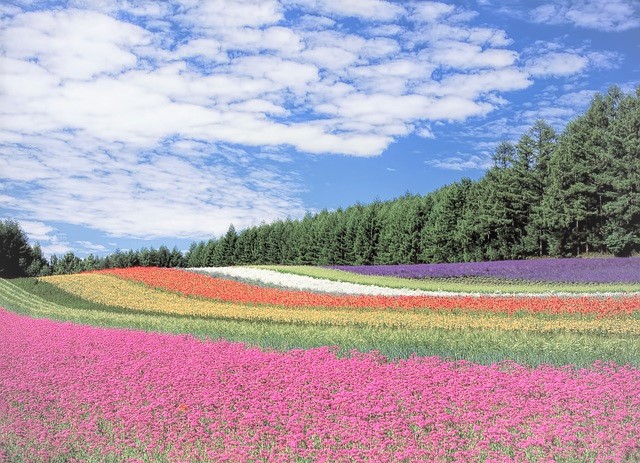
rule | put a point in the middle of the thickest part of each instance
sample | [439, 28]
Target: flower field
[120, 395]
[591, 270]
[466, 284]
[231, 291]
[278, 365]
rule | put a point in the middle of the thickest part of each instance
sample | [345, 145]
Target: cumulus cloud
[73, 44]
[557, 64]
[430, 11]
[155, 119]
[366, 9]
[37, 231]
[610, 15]
[554, 59]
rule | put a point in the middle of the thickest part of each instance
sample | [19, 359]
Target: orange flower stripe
[128, 294]
[204, 286]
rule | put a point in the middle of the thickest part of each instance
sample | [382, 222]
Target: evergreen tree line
[549, 194]
[19, 259]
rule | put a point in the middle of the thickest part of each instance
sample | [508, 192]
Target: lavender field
[588, 270]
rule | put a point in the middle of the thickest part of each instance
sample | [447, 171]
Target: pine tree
[577, 192]
[622, 200]
[39, 265]
[366, 235]
[227, 247]
[15, 252]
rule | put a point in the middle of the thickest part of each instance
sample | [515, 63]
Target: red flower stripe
[198, 285]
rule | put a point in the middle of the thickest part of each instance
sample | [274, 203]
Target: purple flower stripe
[91, 391]
[596, 270]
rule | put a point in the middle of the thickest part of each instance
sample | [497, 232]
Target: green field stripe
[482, 346]
[52, 293]
[450, 285]
[12, 295]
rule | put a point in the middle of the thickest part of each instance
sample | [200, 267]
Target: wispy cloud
[610, 15]
[554, 59]
[462, 162]
[173, 119]
[113, 120]
[553, 109]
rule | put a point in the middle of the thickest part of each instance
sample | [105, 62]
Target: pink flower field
[77, 393]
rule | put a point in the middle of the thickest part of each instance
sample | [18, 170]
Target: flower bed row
[113, 291]
[301, 282]
[232, 291]
[592, 270]
[531, 344]
[122, 395]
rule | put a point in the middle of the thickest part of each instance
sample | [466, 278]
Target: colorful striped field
[547, 375]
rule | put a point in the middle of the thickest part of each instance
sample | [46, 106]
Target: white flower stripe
[305, 283]
[300, 282]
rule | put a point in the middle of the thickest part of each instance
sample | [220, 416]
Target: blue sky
[126, 124]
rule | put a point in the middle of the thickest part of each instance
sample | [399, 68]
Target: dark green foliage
[548, 194]
[592, 200]
[39, 265]
[403, 221]
[17, 258]
[69, 263]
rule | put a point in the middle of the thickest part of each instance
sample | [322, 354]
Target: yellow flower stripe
[111, 290]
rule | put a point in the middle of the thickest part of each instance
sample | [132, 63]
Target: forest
[548, 194]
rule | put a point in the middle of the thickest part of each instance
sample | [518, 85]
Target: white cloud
[163, 195]
[462, 55]
[134, 130]
[334, 59]
[473, 85]
[73, 44]
[385, 30]
[604, 59]
[225, 15]
[462, 162]
[209, 49]
[392, 77]
[366, 9]
[430, 11]
[315, 22]
[456, 32]
[455, 108]
[553, 60]
[610, 15]
[557, 64]
[37, 231]
[92, 247]
[425, 132]
[282, 74]
[57, 248]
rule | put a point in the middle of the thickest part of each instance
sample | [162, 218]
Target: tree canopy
[546, 194]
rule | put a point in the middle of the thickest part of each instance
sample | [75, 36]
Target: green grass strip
[453, 284]
[481, 346]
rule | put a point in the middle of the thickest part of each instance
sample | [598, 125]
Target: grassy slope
[457, 285]
[477, 345]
